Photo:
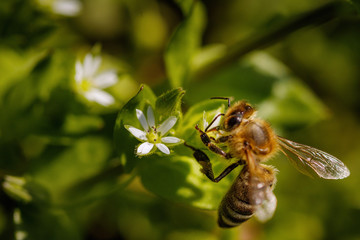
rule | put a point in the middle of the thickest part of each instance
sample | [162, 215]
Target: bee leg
[205, 163]
[226, 171]
[222, 139]
[212, 147]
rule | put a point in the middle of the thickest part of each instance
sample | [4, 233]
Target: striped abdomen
[242, 200]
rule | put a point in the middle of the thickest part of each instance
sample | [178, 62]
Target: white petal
[204, 121]
[91, 65]
[150, 117]
[144, 148]
[79, 72]
[167, 125]
[217, 121]
[67, 7]
[99, 96]
[105, 79]
[136, 132]
[163, 148]
[140, 115]
[170, 140]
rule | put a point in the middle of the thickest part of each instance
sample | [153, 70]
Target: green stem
[258, 41]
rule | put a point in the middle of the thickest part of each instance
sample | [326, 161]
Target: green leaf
[178, 178]
[57, 172]
[22, 25]
[183, 44]
[242, 80]
[195, 116]
[124, 142]
[79, 124]
[292, 104]
[268, 84]
[356, 5]
[15, 66]
[28, 92]
[169, 104]
[46, 223]
[185, 5]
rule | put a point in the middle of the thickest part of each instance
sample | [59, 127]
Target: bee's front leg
[212, 147]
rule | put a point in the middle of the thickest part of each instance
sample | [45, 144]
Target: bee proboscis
[252, 141]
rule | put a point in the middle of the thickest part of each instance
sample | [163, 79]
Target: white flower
[69, 8]
[153, 135]
[90, 83]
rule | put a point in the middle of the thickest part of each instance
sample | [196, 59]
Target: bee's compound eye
[234, 122]
[248, 107]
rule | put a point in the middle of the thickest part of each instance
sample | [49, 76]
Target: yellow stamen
[85, 85]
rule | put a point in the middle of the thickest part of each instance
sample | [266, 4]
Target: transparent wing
[266, 210]
[324, 164]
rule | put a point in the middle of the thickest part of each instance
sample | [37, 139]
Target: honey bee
[251, 141]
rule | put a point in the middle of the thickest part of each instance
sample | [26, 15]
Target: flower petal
[205, 123]
[144, 148]
[170, 140]
[67, 7]
[163, 148]
[79, 72]
[140, 115]
[141, 135]
[216, 123]
[105, 79]
[167, 125]
[91, 65]
[99, 96]
[150, 117]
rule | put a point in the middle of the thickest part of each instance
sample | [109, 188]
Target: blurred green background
[62, 175]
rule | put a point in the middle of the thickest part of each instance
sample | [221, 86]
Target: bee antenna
[229, 99]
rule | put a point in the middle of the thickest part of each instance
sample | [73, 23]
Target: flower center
[85, 85]
[153, 136]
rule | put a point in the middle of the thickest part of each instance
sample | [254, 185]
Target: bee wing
[324, 164]
[266, 210]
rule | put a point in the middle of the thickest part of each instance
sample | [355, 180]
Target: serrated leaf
[169, 104]
[124, 144]
[183, 44]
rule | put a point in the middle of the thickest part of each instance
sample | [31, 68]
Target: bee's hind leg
[206, 165]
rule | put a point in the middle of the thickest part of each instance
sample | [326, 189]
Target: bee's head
[236, 114]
